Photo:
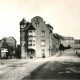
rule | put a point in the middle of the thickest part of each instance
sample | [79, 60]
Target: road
[65, 66]
[60, 66]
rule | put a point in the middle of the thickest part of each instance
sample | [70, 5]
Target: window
[42, 42]
[33, 33]
[37, 24]
[43, 51]
[33, 42]
[30, 33]
[30, 43]
[43, 33]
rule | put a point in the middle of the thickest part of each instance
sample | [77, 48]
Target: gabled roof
[50, 27]
[30, 27]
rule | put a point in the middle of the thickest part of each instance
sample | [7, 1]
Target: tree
[57, 36]
[68, 47]
[4, 44]
[61, 47]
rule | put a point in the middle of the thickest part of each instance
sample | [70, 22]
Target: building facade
[77, 44]
[68, 41]
[36, 38]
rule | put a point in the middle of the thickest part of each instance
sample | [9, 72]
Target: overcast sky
[63, 15]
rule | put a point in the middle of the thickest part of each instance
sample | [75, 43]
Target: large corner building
[36, 38]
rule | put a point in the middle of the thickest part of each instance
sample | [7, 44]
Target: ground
[61, 66]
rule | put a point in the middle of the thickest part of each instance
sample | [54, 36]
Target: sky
[63, 15]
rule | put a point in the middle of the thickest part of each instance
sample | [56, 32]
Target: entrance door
[31, 53]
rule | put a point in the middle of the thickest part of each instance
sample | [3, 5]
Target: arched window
[43, 33]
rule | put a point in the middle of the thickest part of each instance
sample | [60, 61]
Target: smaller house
[77, 44]
[7, 47]
[68, 41]
[3, 52]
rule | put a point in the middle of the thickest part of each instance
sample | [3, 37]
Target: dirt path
[17, 72]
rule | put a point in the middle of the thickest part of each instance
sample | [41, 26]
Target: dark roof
[30, 27]
[57, 36]
[49, 25]
[23, 21]
[27, 24]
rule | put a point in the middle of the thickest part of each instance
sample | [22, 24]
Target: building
[36, 38]
[68, 41]
[7, 47]
[77, 44]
